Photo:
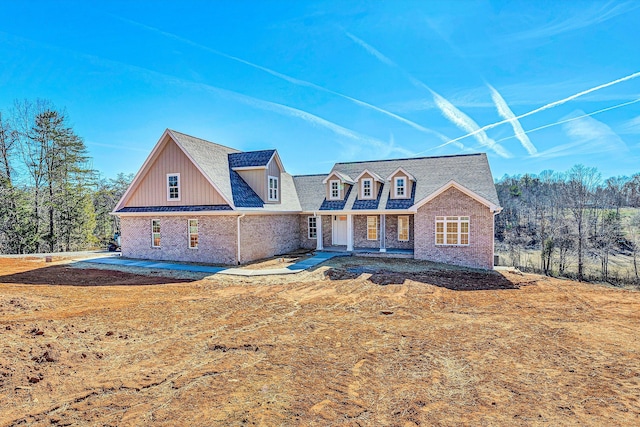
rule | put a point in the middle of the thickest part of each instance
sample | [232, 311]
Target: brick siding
[216, 239]
[479, 252]
[262, 236]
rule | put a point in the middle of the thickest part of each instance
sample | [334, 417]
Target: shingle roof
[250, 158]
[431, 173]
[243, 194]
[196, 208]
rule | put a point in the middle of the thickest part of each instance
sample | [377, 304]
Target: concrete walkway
[305, 264]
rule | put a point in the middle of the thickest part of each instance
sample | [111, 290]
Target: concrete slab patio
[305, 264]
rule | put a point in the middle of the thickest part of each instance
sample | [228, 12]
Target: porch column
[319, 245]
[383, 233]
[349, 233]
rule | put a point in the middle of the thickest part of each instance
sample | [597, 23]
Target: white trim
[169, 199]
[408, 228]
[277, 188]
[197, 233]
[342, 177]
[444, 229]
[309, 218]
[373, 174]
[371, 187]
[152, 233]
[331, 190]
[400, 169]
[164, 140]
[278, 161]
[452, 184]
[248, 168]
[404, 194]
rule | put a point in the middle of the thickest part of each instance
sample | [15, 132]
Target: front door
[339, 230]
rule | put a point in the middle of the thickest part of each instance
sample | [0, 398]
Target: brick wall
[216, 239]
[479, 252]
[391, 228]
[262, 236]
[360, 233]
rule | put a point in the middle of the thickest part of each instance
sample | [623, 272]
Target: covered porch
[366, 233]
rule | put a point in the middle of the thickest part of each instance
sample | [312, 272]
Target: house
[197, 201]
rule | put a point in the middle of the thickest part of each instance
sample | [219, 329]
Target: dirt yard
[355, 342]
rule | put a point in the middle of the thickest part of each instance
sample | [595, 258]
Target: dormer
[338, 185]
[262, 171]
[368, 185]
[401, 183]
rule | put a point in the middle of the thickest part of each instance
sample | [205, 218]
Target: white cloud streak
[505, 112]
[624, 104]
[448, 110]
[546, 107]
[292, 80]
[589, 136]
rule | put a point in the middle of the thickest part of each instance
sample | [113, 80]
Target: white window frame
[190, 233]
[377, 222]
[275, 196]
[169, 198]
[331, 196]
[153, 233]
[459, 234]
[408, 228]
[362, 188]
[396, 187]
[313, 227]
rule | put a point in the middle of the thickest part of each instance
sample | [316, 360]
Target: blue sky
[536, 85]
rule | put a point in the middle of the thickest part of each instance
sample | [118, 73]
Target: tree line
[571, 224]
[52, 198]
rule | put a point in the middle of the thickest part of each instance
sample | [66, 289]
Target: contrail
[505, 112]
[575, 118]
[546, 107]
[450, 111]
[287, 78]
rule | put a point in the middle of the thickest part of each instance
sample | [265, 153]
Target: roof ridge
[410, 158]
[313, 174]
[204, 140]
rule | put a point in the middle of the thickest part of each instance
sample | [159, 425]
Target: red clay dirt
[352, 343]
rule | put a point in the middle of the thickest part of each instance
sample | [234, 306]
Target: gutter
[238, 228]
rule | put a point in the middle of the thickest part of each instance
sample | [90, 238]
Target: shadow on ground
[455, 280]
[60, 275]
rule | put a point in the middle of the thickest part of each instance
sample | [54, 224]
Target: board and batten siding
[194, 187]
[257, 180]
[273, 170]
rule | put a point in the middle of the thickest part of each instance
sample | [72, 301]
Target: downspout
[238, 228]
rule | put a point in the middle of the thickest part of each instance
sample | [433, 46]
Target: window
[400, 187]
[155, 233]
[403, 228]
[367, 185]
[193, 233]
[334, 189]
[372, 228]
[173, 187]
[452, 230]
[312, 227]
[273, 189]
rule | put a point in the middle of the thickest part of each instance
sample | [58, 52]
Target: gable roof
[373, 175]
[400, 169]
[430, 173]
[342, 176]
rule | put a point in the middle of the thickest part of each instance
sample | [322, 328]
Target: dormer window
[273, 189]
[173, 187]
[400, 185]
[334, 189]
[367, 188]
